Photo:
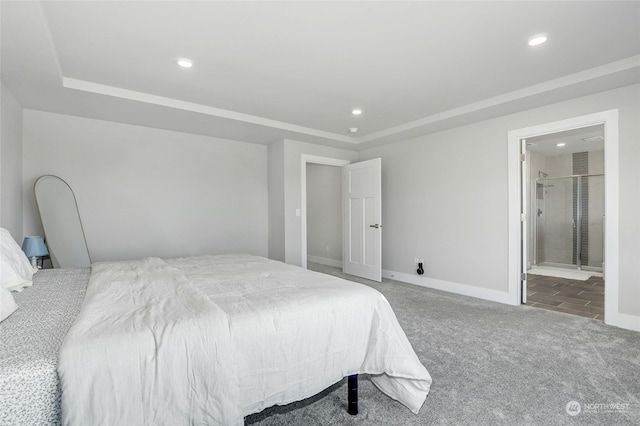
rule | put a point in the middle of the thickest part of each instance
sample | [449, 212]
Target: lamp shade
[34, 247]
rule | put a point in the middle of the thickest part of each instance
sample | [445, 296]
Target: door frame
[524, 218]
[611, 166]
[305, 159]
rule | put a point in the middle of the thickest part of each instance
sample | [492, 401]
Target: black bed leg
[352, 384]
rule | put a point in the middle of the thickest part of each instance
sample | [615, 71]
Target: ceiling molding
[548, 86]
[627, 64]
[101, 89]
[49, 38]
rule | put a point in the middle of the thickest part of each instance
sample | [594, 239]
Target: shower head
[542, 174]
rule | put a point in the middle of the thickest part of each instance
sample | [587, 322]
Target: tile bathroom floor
[583, 298]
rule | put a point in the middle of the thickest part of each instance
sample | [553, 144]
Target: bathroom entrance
[566, 202]
[524, 164]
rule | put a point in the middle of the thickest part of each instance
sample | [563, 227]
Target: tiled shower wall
[596, 209]
[581, 167]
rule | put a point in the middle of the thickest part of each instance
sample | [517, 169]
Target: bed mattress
[29, 342]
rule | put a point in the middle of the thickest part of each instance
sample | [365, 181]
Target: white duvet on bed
[210, 339]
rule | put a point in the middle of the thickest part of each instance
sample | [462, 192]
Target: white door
[524, 209]
[361, 219]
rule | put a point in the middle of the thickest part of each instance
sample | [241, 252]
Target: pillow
[7, 304]
[16, 271]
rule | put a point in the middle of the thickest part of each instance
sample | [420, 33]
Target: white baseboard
[463, 289]
[325, 261]
[616, 319]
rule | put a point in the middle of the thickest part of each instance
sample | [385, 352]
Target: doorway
[566, 198]
[519, 216]
[324, 214]
[361, 204]
[306, 161]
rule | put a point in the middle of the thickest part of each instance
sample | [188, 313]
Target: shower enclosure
[569, 222]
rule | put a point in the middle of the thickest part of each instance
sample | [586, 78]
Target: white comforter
[210, 339]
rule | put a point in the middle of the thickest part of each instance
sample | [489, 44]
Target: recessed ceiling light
[353, 130]
[537, 40]
[356, 111]
[185, 63]
[561, 144]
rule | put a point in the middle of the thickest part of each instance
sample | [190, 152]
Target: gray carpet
[491, 364]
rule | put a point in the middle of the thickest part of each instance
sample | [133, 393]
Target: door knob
[375, 226]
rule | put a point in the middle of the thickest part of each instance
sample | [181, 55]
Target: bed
[144, 337]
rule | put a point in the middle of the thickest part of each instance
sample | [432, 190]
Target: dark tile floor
[583, 298]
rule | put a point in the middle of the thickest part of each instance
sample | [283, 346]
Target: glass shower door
[556, 223]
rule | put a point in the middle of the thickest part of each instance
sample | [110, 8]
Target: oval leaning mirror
[61, 222]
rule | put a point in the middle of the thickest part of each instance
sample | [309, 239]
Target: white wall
[629, 155]
[445, 196]
[10, 164]
[444, 200]
[559, 165]
[324, 213]
[144, 191]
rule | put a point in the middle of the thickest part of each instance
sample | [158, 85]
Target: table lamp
[34, 248]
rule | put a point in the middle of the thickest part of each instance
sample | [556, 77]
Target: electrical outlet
[420, 260]
[415, 261]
